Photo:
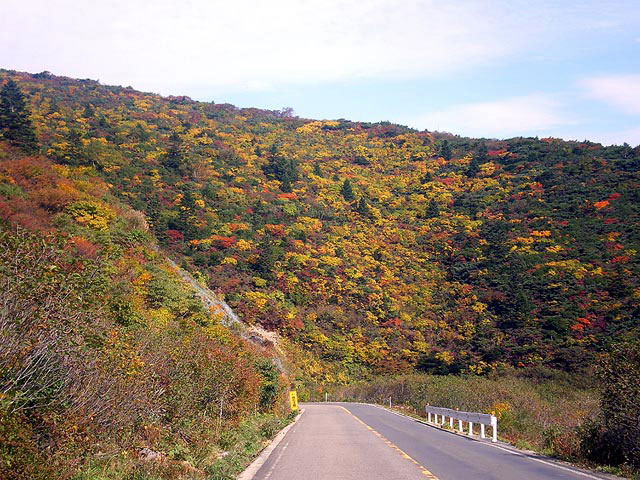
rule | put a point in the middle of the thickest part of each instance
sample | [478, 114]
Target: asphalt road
[352, 441]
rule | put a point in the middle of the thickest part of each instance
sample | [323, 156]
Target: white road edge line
[551, 464]
[512, 451]
[252, 469]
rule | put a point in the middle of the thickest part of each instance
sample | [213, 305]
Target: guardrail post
[437, 416]
[494, 424]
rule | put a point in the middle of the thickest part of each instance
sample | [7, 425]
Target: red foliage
[467, 288]
[609, 221]
[85, 247]
[5, 210]
[392, 323]
[275, 230]
[496, 153]
[621, 259]
[287, 196]
[614, 196]
[222, 242]
[175, 235]
[447, 180]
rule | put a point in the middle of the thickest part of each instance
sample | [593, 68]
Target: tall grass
[535, 414]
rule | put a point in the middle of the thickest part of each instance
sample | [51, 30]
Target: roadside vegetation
[593, 422]
[110, 366]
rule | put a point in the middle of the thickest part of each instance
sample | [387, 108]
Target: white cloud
[630, 136]
[243, 43]
[176, 46]
[619, 91]
[524, 115]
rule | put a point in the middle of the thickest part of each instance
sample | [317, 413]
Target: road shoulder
[501, 445]
[260, 460]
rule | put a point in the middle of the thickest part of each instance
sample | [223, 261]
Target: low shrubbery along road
[356, 441]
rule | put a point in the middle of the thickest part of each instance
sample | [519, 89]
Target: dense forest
[377, 248]
[374, 249]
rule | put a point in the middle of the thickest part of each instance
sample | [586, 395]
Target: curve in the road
[451, 456]
[351, 442]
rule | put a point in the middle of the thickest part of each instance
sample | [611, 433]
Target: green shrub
[613, 437]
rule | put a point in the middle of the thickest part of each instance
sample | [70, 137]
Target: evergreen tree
[363, 208]
[89, 111]
[75, 153]
[432, 210]
[473, 168]
[478, 159]
[15, 121]
[347, 191]
[317, 170]
[426, 178]
[279, 168]
[445, 150]
[173, 157]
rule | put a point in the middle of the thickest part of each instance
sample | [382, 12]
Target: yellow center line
[424, 471]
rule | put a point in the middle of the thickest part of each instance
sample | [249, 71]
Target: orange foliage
[84, 247]
[275, 230]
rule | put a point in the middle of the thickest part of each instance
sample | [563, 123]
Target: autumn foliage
[375, 247]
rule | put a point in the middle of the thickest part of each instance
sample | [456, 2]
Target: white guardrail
[470, 417]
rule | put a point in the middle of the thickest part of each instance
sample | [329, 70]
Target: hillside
[376, 248]
[107, 356]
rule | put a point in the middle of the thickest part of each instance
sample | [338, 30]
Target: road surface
[343, 441]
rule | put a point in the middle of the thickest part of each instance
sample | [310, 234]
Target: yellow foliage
[259, 299]
[487, 169]
[479, 307]
[445, 357]
[244, 245]
[142, 279]
[331, 261]
[92, 214]
[499, 409]
[229, 261]
[259, 282]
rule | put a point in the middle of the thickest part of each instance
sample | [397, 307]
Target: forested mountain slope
[377, 248]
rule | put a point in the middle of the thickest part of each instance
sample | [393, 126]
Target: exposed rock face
[148, 455]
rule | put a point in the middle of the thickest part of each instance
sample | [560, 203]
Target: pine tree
[445, 150]
[15, 120]
[279, 168]
[347, 191]
[477, 160]
[173, 157]
[317, 170]
[432, 210]
[473, 168]
[363, 208]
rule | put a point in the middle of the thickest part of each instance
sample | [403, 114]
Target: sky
[492, 68]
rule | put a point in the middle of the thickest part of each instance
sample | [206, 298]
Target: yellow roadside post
[293, 400]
